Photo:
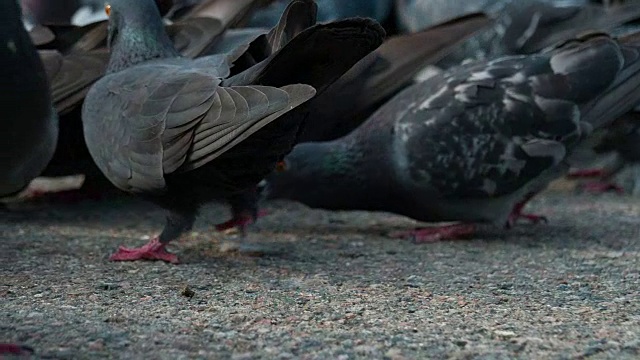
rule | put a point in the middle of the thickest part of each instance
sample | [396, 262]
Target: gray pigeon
[473, 144]
[622, 140]
[170, 129]
[521, 27]
[30, 124]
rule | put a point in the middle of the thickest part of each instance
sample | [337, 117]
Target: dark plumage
[328, 10]
[348, 102]
[472, 144]
[181, 132]
[30, 125]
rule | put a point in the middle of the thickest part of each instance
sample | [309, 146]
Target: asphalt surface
[322, 285]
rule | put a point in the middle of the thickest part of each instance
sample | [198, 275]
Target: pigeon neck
[135, 45]
[336, 175]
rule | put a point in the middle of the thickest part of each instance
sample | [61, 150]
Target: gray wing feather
[149, 121]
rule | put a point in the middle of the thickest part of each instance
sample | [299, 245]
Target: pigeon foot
[517, 214]
[602, 187]
[240, 221]
[586, 173]
[14, 349]
[153, 250]
[438, 233]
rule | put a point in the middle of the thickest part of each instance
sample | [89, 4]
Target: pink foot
[586, 173]
[437, 233]
[240, 221]
[602, 187]
[153, 250]
[14, 349]
[517, 214]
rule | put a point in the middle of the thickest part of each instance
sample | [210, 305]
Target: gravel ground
[331, 286]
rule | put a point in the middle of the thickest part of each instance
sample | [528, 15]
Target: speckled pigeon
[30, 124]
[474, 143]
[172, 130]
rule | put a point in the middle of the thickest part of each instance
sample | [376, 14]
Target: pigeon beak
[107, 9]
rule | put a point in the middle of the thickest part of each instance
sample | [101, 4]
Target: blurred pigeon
[473, 144]
[328, 10]
[521, 27]
[30, 124]
[622, 140]
[50, 12]
[176, 131]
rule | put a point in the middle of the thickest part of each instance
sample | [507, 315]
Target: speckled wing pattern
[161, 118]
[487, 129]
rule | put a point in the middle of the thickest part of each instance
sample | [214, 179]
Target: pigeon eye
[107, 9]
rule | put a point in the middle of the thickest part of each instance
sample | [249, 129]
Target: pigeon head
[309, 170]
[136, 34]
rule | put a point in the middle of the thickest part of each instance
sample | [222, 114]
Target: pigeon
[51, 12]
[521, 27]
[30, 125]
[473, 144]
[181, 132]
[75, 57]
[621, 140]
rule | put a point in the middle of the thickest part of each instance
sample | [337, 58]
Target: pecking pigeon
[30, 124]
[175, 130]
[473, 144]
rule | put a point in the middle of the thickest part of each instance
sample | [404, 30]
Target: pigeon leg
[244, 207]
[597, 186]
[155, 249]
[437, 233]
[517, 214]
[605, 175]
[586, 173]
[240, 221]
[13, 349]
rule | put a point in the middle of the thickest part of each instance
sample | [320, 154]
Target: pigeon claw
[153, 250]
[586, 173]
[602, 187]
[438, 233]
[239, 221]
